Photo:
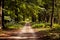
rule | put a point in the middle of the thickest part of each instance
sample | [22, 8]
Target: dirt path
[27, 33]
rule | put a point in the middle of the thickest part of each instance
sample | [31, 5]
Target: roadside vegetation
[43, 15]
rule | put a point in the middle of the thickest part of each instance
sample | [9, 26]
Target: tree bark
[3, 27]
[23, 17]
[39, 17]
[16, 13]
[52, 13]
[33, 18]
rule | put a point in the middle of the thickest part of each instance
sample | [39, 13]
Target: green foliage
[13, 25]
[22, 23]
[56, 27]
[7, 18]
[36, 10]
[38, 25]
[47, 24]
[54, 36]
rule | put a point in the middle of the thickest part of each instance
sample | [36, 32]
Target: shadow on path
[26, 33]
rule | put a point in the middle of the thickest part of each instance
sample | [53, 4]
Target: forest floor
[11, 32]
[41, 34]
[27, 33]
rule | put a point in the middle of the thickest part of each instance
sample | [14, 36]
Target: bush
[32, 23]
[47, 24]
[12, 26]
[22, 23]
[38, 25]
[56, 27]
[15, 26]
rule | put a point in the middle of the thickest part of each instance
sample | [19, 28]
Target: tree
[52, 13]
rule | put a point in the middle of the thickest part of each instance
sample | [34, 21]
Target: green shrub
[56, 25]
[47, 24]
[32, 23]
[54, 36]
[12, 26]
[57, 28]
[8, 24]
[38, 25]
[22, 23]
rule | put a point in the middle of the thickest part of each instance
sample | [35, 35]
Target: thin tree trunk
[23, 17]
[39, 17]
[52, 13]
[16, 13]
[3, 27]
[33, 18]
[16, 19]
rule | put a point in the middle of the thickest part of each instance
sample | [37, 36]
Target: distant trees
[58, 10]
[37, 10]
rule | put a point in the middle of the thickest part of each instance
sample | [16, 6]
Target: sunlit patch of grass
[42, 29]
[56, 28]
[13, 25]
[56, 25]
[38, 25]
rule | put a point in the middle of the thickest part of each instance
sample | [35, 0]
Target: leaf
[7, 18]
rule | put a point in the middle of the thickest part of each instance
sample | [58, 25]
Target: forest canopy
[38, 11]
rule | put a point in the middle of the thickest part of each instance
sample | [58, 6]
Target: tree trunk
[16, 19]
[33, 18]
[3, 27]
[23, 17]
[39, 17]
[52, 13]
[16, 13]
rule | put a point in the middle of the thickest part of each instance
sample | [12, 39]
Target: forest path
[26, 33]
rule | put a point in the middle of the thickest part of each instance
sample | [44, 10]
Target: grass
[42, 29]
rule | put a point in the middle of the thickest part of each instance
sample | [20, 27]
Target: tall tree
[52, 13]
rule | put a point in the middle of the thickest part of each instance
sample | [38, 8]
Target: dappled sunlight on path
[27, 32]
[27, 29]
